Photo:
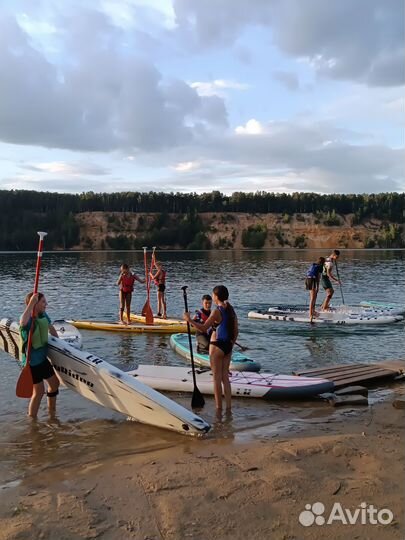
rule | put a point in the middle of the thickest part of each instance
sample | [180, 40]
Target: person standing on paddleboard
[328, 277]
[126, 283]
[312, 284]
[224, 322]
[41, 368]
[159, 279]
[201, 315]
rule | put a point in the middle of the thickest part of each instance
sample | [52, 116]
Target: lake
[82, 285]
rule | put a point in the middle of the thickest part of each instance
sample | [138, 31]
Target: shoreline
[224, 487]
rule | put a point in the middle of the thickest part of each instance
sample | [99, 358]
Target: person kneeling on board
[41, 368]
[224, 324]
[201, 315]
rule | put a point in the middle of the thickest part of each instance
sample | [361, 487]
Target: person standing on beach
[328, 277]
[41, 368]
[126, 281]
[159, 278]
[224, 322]
[312, 284]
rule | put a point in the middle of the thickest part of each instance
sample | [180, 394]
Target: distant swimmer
[312, 284]
[328, 277]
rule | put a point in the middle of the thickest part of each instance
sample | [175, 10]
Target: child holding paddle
[159, 278]
[41, 368]
[126, 282]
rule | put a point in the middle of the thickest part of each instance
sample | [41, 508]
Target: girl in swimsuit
[224, 322]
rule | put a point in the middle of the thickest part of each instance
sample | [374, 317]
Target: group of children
[126, 282]
[321, 272]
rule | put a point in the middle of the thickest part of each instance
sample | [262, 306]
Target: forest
[22, 212]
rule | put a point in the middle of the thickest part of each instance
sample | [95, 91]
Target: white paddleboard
[326, 318]
[68, 333]
[243, 384]
[99, 381]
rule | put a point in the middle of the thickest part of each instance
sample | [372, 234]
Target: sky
[202, 95]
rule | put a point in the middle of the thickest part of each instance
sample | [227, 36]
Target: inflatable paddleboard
[396, 309]
[326, 318]
[133, 328]
[253, 385]
[158, 320]
[342, 309]
[102, 383]
[68, 333]
[240, 362]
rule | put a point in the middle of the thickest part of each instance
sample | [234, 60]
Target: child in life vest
[126, 283]
[41, 369]
[312, 284]
[201, 315]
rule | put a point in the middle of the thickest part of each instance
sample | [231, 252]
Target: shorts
[225, 346]
[311, 283]
[203, 343]
[42, 372]
[125, 299]
[326, 282]
[161, 287]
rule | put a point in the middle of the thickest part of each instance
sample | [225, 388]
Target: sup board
[158, 320]
[68, 333]
[133, 328]
[239, 362]
[396, 309]
[326, 318]
[107, 385]
[342, 309]
[243, 384]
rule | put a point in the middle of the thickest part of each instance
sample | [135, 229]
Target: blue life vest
[314, 270]
[222, 332]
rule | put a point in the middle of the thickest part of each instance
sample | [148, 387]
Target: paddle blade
[148, 314]
[25, 384]
[197, 399]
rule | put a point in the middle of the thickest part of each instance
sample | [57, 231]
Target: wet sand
[222, 487]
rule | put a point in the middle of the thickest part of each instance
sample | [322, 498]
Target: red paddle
[147, 310]
[25, 384]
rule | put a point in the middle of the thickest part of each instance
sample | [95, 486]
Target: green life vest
[39, 335]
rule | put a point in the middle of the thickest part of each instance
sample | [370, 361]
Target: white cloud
[186, 166]
[217, 87]
[252, 127]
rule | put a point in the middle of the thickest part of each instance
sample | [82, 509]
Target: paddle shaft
[36, 283]
[341, 288]
[197, 396]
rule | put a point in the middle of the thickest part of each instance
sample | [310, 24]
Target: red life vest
[201, 315]
[127, 283]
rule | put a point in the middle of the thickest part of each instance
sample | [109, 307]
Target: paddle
[25, 384]
[197, 399]
[241, 347]
[341, 288]
[147, 310]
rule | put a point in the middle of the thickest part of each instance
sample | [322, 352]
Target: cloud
[287, 79]
[252, 127]
[97, 96]
[217, 87]
[68, 169]
[360, 40]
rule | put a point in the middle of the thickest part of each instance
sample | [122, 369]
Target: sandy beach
[221, 489]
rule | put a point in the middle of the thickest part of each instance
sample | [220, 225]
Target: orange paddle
[25, 384]
[147, 310]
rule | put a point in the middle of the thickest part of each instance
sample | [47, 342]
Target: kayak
[396, 309]
[344, 309]
[254, 385]
[107, 385]
[158, 320]
[68, 333]
[239, 362]
[133, 328]
[326, 318]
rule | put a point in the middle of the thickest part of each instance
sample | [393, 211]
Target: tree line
[23, 211]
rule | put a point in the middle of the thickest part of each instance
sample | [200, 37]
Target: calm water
[82, 285]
